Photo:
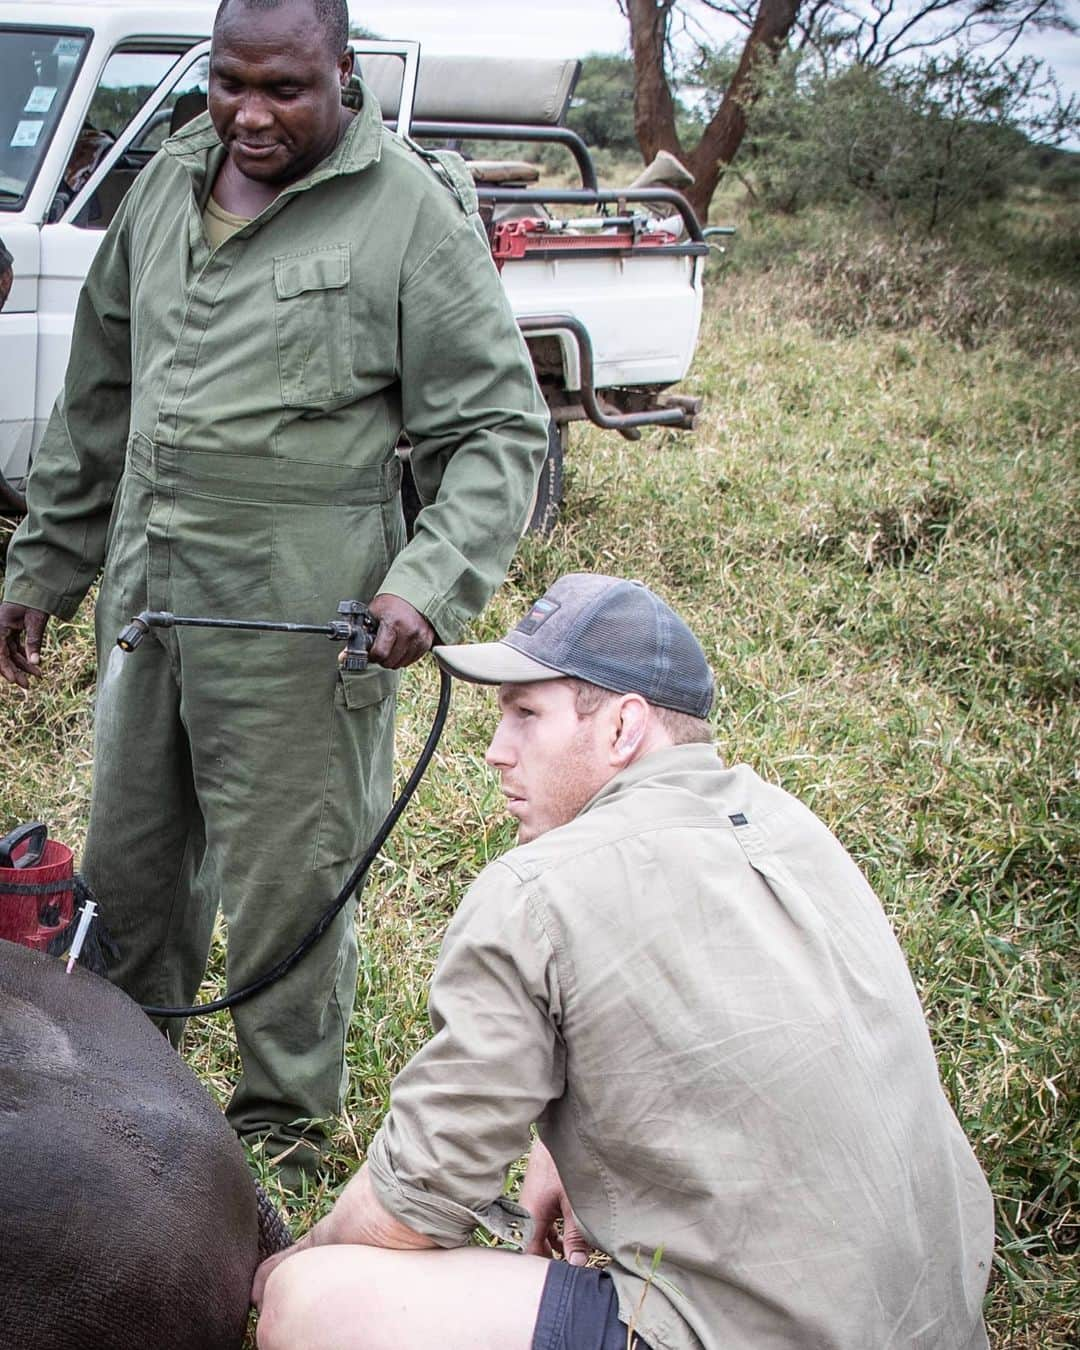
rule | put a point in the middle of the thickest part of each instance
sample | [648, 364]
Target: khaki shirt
[695, 993]
[260, 389]
[220, 225]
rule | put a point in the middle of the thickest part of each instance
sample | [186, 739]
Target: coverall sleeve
[461, 1109]
[478, 428]
[57, 551]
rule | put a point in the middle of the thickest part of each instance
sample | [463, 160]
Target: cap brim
[493, 663]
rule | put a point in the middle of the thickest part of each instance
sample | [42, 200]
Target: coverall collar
[198, 148]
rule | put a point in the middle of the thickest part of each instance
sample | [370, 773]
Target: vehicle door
[147, 89]
[39, 70]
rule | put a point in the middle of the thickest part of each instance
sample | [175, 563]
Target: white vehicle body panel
[19, 324]
[642, 312]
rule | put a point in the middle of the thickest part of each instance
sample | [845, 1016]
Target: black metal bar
[589, 197]
[500, 131]
[668, 417]
[130, 637]
[163, 619]
[601, 222]
[661, 250]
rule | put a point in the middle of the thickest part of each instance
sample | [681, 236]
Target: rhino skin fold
[128, 1216]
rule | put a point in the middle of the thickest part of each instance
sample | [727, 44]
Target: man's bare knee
[288, 1299]
[312, 1295]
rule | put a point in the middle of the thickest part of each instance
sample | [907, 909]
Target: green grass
[874, 532]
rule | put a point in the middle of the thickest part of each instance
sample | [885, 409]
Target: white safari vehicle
[605, 284]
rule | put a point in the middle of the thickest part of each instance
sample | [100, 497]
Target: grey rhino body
[128, 1217]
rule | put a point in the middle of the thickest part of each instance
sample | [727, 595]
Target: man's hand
[543, 1196]
[7, 278]
[404, 634]
[358, 1216]
[21, 631]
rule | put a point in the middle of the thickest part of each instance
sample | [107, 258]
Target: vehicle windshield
[37, 70]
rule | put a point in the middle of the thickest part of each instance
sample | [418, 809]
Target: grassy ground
[874, 532]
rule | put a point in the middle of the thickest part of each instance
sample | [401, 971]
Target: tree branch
[654, 107]
[723, 135]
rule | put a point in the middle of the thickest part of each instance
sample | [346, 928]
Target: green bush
[602, 109]
[922, 143]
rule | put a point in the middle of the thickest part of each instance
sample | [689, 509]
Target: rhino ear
[274, 1235]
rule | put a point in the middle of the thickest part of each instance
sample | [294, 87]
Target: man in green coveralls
[284, 290]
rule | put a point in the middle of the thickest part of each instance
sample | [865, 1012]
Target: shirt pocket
[314, 332]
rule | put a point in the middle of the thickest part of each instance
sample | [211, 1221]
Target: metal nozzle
[141, 624]
[133, 634]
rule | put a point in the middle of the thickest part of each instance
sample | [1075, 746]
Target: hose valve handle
[360, 628]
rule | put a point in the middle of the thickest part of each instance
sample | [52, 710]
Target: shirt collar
[673, 762]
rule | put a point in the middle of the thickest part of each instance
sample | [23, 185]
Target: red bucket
[34, 917]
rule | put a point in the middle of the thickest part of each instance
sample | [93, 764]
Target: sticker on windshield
[41, 98]
[26, 133]
[68, 47]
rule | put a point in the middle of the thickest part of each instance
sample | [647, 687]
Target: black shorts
[579, 1311]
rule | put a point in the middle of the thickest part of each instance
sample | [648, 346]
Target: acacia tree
[654, 106]
[836, 33]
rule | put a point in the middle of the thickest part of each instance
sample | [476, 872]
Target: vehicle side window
[185, 101]
[130, 78]
[37, 69]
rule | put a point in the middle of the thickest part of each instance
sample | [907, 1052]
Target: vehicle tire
[12, 501]
[549, 489]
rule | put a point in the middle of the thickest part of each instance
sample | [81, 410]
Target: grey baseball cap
[613, 633]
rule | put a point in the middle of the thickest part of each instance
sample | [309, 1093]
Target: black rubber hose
[355, 881]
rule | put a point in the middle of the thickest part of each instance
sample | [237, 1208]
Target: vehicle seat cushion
[520, 91]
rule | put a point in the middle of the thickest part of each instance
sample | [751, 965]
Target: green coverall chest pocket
[314, 332]
[359, 763]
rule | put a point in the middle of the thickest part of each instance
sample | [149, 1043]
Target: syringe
[86, 915]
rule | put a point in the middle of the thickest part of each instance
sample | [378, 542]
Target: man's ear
[630, 729]
[347, 65]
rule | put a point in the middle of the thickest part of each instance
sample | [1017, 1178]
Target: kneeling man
[683, 980]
